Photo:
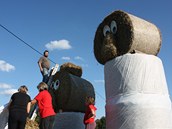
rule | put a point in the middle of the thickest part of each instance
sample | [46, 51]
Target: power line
[24, 42]
[35, 49]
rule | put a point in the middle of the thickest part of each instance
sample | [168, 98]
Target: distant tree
[101, 123]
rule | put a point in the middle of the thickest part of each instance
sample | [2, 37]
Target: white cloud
[5, 86]
[8, 92]
[4, 66]
[60, 45]
[99, 81]
[6, 89]
[65, 58]
[79, 58]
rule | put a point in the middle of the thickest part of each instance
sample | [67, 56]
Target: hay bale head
[71, 92]
[71, 68]
[120, 33]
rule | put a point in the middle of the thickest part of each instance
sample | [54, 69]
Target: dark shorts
[47, 122]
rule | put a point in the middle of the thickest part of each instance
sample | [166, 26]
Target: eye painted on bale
[56, 84]
[113, 27]
[106, 30]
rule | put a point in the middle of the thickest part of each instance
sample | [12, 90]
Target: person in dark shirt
[19, 107]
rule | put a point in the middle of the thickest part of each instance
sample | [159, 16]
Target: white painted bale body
[137, 95]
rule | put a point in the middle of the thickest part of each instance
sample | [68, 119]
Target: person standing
[44, 66]
[19, 107]
[90, 114]
[44, 101]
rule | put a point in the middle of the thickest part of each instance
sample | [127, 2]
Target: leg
[22, 124]
[45, 78]
[12, 121]
[47, 123]
[91, 125]
[51, 122]
[44, 124]
[45, 75]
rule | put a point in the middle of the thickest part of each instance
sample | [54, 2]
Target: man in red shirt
[44, 101]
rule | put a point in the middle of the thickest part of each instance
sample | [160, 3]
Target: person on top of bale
[44, 65]
[45, 106]
[19, 107]
[90, 113]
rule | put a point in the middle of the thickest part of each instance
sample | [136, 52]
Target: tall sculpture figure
[137, 95]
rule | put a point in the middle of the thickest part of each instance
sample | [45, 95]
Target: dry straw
[72, 91]
[132, 33]
[71, 68]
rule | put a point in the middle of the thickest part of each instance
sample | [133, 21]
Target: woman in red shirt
[90, 114]
[46, 110]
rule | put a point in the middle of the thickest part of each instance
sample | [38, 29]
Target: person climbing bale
[44, 66]
[19, 107]
[44, 101]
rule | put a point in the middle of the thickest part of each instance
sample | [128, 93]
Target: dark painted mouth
[110, 39]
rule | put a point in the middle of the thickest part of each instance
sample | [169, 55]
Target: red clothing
[45, 104]
[87, 118]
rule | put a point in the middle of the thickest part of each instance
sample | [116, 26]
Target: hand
[41, 69]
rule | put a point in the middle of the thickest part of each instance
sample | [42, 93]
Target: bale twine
[71, 68]
[132, 33]
[71, 92]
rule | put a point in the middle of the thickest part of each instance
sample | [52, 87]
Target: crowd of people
[20, 103]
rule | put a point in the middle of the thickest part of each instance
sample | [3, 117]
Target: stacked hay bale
[72, 69]
[137, 95]
[69, 94]
[128, 34]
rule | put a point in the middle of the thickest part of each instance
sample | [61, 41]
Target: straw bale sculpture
[70, 90]
[121, 33]
[137, 95]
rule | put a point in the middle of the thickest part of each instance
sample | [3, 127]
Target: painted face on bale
[120, 33]
[111, 35]
[70, 90]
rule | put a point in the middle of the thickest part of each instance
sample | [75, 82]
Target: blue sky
[71, 25]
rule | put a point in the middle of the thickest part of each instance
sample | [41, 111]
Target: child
[90, 114]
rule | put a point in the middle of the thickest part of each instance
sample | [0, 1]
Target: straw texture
[132, 33]
[71, 68]
[72, 91]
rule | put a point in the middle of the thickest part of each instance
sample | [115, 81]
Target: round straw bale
[71, 68]
[71, 92]
[121, 32]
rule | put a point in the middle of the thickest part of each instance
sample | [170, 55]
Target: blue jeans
[45, 73]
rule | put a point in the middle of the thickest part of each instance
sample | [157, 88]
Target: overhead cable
[24, 42]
